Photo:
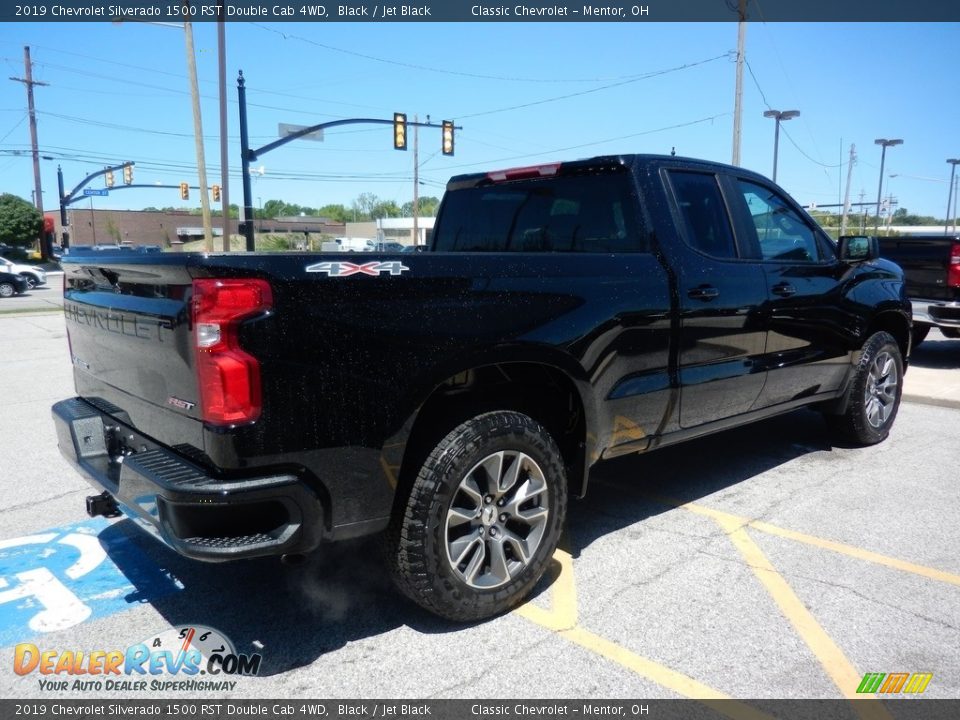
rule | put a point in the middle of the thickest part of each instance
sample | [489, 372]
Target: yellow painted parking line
[389, 471]
[837, 547]
[662, 675]
[827, 652]
[561, 618]
[562, 614]
[859, 553]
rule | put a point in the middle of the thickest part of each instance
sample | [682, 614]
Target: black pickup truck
[240, 405]
[931, 264]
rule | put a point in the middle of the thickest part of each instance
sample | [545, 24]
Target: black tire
[950, 332]
[490, 575]
[920, 333]
[31, 280]
[878, 376]
[7, 290]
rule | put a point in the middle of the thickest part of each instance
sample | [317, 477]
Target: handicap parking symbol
[55, 579]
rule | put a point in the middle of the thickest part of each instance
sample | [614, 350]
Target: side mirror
[858, 248]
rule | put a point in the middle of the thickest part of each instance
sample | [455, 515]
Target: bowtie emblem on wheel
[341, 268]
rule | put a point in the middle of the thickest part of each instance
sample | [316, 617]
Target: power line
[427, 68]
[596, 142]
[783, 129]
[645, 76]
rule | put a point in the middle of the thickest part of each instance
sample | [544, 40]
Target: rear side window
[591, 213]
[704, 215]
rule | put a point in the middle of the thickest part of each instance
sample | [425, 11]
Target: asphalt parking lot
[758, 563]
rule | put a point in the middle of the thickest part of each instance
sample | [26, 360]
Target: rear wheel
[875, 394]
[7, 289]
[482, 518]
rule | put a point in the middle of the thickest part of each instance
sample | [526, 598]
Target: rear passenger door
[807, 348]
[721, 294]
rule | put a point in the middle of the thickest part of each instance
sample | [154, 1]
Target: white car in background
[32, 274]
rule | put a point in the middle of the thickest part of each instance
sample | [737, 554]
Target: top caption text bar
[487, 11]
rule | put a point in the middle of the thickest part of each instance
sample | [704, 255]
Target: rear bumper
[178, 502]
[936, 312]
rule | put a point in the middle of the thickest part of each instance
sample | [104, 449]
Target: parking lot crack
[33, 502]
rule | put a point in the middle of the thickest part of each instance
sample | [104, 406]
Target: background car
[389, 246]
[31, 273]
[12, 284]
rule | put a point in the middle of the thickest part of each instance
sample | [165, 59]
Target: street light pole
[883, 156]
[951, 200]
[779, 116]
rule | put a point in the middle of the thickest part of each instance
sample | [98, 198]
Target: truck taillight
[229, 378]
[953, 272]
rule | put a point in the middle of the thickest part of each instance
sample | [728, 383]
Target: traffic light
[447, 141]
[109, 178]
[128, 174]
[399, 131]
[184, 191]
[216, 193]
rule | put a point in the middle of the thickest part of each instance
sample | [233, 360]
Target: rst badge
[342, 268]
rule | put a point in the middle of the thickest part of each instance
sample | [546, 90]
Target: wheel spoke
[459, 516]
[461, 547]
[519, 546]
[476, 562]
[509, 479]
[498, 561]
[469, 487]
[493, 466]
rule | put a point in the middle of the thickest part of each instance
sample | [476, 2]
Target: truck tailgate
[131, 342]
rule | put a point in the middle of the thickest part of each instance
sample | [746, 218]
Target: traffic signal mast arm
[254, 154]
[71, 197]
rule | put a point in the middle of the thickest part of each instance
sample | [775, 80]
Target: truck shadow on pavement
[628, 490]
[294, 615]
[937, 355]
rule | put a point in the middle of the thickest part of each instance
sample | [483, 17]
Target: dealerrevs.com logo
[198, 657]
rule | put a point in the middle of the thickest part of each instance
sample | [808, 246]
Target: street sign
[284, 129]
[96, 193]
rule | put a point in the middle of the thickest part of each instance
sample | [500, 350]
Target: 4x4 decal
[342, 268]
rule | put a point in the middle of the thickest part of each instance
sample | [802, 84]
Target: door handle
[783, 290]
[703, 292]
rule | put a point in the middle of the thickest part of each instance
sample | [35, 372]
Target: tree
[20, 222]
[428, 207]
[364, 204]
[337, 213]
[385, 209]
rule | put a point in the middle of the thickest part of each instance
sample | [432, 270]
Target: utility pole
[198, 132]
[846, 195]
[30, 82]
[738, 95]
[863, 212]
[416, 180]
[224, 154]
[951, 201]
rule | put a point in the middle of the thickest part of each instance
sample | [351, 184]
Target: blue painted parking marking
[54, 579]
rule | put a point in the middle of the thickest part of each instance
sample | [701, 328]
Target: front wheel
[32, 281]
[7, 290]
[482, 518]
[875, 394]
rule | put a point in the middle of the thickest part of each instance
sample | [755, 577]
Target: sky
[523, 93]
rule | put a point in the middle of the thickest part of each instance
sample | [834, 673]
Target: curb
[926, 400]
